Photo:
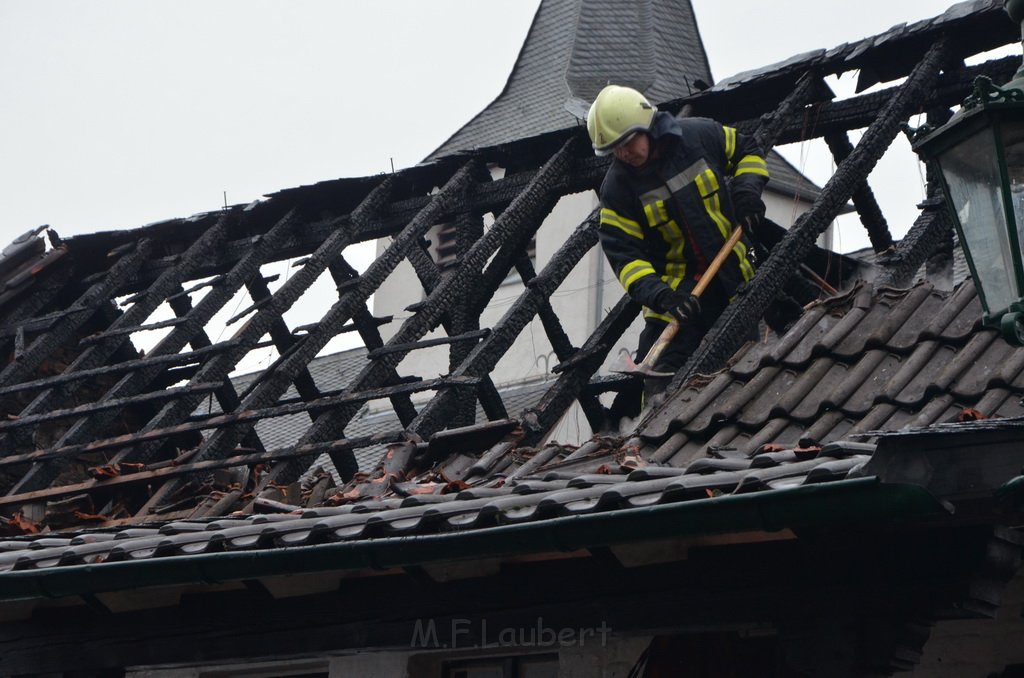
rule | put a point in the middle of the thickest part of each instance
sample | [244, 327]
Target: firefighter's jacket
[662, 224]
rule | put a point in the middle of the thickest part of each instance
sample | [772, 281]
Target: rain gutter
[839, 504]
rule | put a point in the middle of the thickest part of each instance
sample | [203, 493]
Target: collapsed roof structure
[113, 477]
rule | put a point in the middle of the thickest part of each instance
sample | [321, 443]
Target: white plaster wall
[785, 210]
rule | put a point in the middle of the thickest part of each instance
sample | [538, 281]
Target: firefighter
[669, 201]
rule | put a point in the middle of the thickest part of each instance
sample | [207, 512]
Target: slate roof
[331, 373]
[571, 41]
[100, 434]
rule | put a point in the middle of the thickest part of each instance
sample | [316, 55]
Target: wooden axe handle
[717, 262]
[670, 331]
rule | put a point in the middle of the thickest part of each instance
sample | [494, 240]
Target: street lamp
[980, 154]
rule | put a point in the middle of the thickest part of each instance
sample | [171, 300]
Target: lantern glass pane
[971, 171]
[1013, 148]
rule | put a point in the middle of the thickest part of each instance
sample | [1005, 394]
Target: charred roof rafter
[729, 331]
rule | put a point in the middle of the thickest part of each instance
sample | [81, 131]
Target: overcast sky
[116, 114]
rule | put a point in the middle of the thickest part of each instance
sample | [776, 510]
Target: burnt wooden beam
[366, 325]
[575, 379]
[44, 345]
[430, 277]
[858, 112]
[500, 266]
[282, 337]
[196, 320]
[524, 214]
[179, 359]
[731, 329]
[562, 345]
[486, 354]
[469, 227]
[92, 408]
[216, 420]
[273, 385]
[771, 127]
[930, 232]
[122, 331]
[863, 197]
[95, 355]
[468, 337]
[880, 58]
[425, 268]
[248, 335]
[190, 331]
[556, 334]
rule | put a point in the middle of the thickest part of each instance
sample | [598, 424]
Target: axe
[646, 366]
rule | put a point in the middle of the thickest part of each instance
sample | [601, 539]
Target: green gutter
[846, 503]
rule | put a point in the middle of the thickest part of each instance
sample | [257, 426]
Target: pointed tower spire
[572, 49]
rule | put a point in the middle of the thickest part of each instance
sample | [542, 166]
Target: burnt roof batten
[65, 377]
[226, 395]
[561, 344]
[732, 328]
[143, 305]
[41, 475]
[430, 277]
[282, 337]
[469, 227]
[863, 197]
[85, 306]
[932, 231]
[202, 423]
[485, 355]
[366, 326]
[838, 117]
[538, 421]
[100, 406]
[522, 216]
[249, 334]
[272, 386]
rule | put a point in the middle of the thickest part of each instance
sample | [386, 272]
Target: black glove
[680, 305]
[749, 210]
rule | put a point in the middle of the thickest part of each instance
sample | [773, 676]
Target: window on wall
[543, 666]
[447, 245]
[447, 248]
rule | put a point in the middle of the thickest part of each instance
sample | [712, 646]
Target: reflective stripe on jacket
[661, 225]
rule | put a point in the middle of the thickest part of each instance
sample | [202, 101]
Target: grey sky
[120, 113]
